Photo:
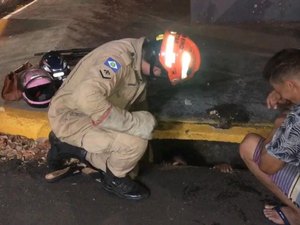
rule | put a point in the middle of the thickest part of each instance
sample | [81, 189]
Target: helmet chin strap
[151, 75]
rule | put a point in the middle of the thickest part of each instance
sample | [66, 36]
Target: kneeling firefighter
[93, 110]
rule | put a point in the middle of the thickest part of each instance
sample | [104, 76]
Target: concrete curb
[35, 125]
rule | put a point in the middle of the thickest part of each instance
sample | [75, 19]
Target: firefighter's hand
[146, 122]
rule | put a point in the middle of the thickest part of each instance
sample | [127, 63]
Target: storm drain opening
[195, 153]
[160, 152]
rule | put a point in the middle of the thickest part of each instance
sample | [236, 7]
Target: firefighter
[93, 109]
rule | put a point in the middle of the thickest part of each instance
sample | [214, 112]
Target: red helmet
[179, 56]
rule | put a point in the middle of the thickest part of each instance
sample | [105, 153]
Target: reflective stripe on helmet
[169, 53]
[185, 64]
[58, 74]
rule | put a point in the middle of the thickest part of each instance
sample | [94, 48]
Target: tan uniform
[92, 108]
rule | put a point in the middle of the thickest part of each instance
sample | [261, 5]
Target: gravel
[18, 147]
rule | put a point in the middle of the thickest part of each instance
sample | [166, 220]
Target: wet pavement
[229, 88]
[232, 55]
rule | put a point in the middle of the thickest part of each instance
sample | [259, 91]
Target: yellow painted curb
[3, 24]
[35, 125]
[22, 122]
[194, 131]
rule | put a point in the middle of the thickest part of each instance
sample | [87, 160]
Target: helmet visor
[41, 93]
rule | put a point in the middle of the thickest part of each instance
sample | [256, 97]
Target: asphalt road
[179, 196]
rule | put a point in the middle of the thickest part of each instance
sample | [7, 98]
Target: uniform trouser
[120, 152]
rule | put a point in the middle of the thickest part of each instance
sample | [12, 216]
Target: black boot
[124, 187]
[60, 152]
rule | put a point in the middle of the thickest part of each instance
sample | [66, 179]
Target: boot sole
[111, 190]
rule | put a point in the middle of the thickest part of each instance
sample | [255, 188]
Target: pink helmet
[38, 87]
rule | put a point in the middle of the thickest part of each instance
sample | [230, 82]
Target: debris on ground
[226, 114]
[23, 148]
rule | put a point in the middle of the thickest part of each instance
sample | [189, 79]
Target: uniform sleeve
[141, 103]
[91, 99]
[285, 144]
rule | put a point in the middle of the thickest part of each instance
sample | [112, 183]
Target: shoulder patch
[113, 64]
[105, 74]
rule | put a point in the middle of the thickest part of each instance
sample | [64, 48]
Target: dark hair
[282, 64]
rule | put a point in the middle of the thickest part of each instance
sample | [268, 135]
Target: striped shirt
[285, 144]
